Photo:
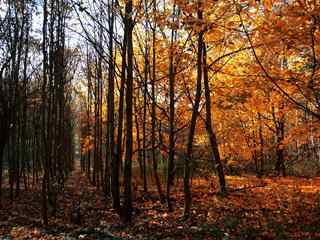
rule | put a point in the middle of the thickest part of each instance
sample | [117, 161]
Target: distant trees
[36, 122]
[56, 116]
[14, 93]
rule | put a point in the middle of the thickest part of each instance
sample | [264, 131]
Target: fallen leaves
[255, 208]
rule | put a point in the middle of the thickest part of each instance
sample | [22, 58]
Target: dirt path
[84, 208]
[80, 193]
[81, 212]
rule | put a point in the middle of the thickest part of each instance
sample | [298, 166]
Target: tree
[127, 205]
[195, 113]
[171, 168]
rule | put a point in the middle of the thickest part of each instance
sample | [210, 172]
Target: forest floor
[267, 208]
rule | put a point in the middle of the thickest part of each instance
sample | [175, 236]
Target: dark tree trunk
[139, 153]
[2, 146]
[209, 128]
[153, 111]
[119, 150]
[195, 113]
[144, 121]
[261, 144]
[279, 122]
[44, 100]
[112, 158]
[280, 165]
[127, 204]
[170, 167]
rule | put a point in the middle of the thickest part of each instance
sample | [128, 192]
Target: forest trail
[84, 208]
[267, 208]
[82, 213]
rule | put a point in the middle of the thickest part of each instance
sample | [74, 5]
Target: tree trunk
[170, 167]
[118, 157]
[112, 158]
[44, 100]
[127, 204]
[280, 165]
[261, 144]
[153, 110]
[279, 127]
[139, 155]
[144, 122]
[2, 145]
[209, 128]
[195, 112]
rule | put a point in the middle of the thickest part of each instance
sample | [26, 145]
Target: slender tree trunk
[280, 166]
[170, 167]
[4, 130]
[2, 145]
[153, 110]
[209, 128]
[25, 102]
[144, 122]
[112, 158]
[44, 100]
[100, 162]
[121, 100]
[261, 144]
[95, 140]
[279, 126]
[20, 28]
[89, 115]
[195, 112]
[139, 155]
[127, 204]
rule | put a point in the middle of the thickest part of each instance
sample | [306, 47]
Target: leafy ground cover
[267, 208]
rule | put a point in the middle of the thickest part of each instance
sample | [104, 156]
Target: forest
[159, 119]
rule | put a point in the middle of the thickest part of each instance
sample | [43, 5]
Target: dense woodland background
[183, 108]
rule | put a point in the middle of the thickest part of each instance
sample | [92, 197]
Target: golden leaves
[268, 4]
[86, 144]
